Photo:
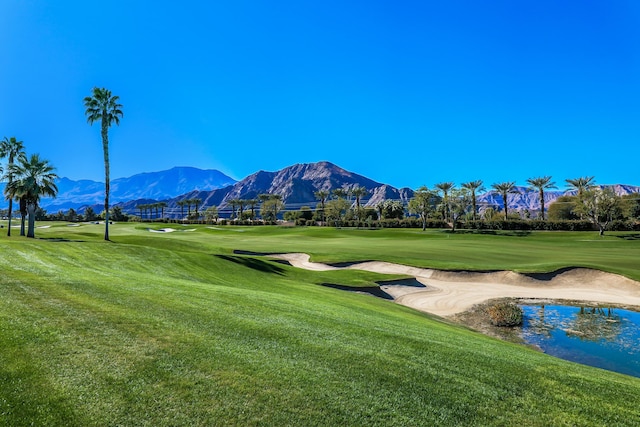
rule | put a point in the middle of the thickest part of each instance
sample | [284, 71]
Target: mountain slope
[153, 185]
[296, 184]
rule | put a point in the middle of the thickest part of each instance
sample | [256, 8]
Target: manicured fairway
[176, 329]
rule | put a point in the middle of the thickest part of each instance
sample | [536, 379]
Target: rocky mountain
[296, 184]
[153, 185]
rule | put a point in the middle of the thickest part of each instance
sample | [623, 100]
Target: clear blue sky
[406, 93]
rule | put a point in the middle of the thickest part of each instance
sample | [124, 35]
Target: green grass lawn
[176, 329]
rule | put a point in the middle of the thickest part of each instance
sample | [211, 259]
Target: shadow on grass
[370, 290]
[60, 239]
[254, 264]
[635, 236]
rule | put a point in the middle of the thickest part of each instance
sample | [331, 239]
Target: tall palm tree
[445, 187]
[581, 184]
[253, 203]
[541, 184]
[322, 195]
[474, 186]
[196, 202]
[34, 178]
[103, 106]
[162, 205]
[505, 188]
[358, 193]
[13, 150]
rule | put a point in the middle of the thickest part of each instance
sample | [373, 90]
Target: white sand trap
[190, 229]
[73, 225]
[449, 292]
[43, 226]
[162, 230]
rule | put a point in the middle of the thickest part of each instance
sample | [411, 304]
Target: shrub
[505, 314]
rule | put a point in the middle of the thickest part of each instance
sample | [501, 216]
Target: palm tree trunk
[506, 206]
[105, 149]
[31, 210]
[542, 202]
[23, 215]
[10, 214]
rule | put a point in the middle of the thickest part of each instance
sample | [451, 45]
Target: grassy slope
[161, 330]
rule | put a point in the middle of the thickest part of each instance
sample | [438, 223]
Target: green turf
[176, 329]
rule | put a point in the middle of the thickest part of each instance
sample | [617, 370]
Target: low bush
[505, 314]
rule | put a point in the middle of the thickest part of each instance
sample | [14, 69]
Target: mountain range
[151, 186]
[296, 185]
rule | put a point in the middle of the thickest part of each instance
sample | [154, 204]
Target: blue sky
[406, 93]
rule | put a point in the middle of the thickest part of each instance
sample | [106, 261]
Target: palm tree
[196, 202]
[322, 195]
[358, 193]
[34, 178]
[104, 107]
[253, 203]
[13, 150]
[234, 203]
[445, 187]
[162, 205]
[474, 186]
[581, 184]
[182, 204]
[505, 188]
[541, 184]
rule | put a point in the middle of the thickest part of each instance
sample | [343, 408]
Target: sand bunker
[450, 292]
[168, 230]
[162, 230]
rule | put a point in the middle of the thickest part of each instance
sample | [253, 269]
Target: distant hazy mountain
[296, 184]
[153, 185]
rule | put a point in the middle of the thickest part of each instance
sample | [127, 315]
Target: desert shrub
[505, 314]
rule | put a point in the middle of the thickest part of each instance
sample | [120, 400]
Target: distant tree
[630, 205]
[321, 196]
[141, 208]
[241, 205]
[118, 215]
[390, 209]
[103, 106]
[359, 193]
[234, 204]
[336, 210]
[541, 184]
[162, 206]
[460, 204]
[446, 188]
[211, 214]
[271, 207]
[196, 203]
[340, 193]
[182, 204]
[598, 205]
[33, 178]
[505, 188]
[71, 215]
[13, 150]
[473, 187]
[253, 204]
[89, 214]
[563, 208]
[422, 204]
[581, 184]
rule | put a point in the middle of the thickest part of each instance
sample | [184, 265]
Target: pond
[607, 338]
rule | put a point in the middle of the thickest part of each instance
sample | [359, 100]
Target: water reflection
[604, 337]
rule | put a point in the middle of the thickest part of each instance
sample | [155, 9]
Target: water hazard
[607, 338]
